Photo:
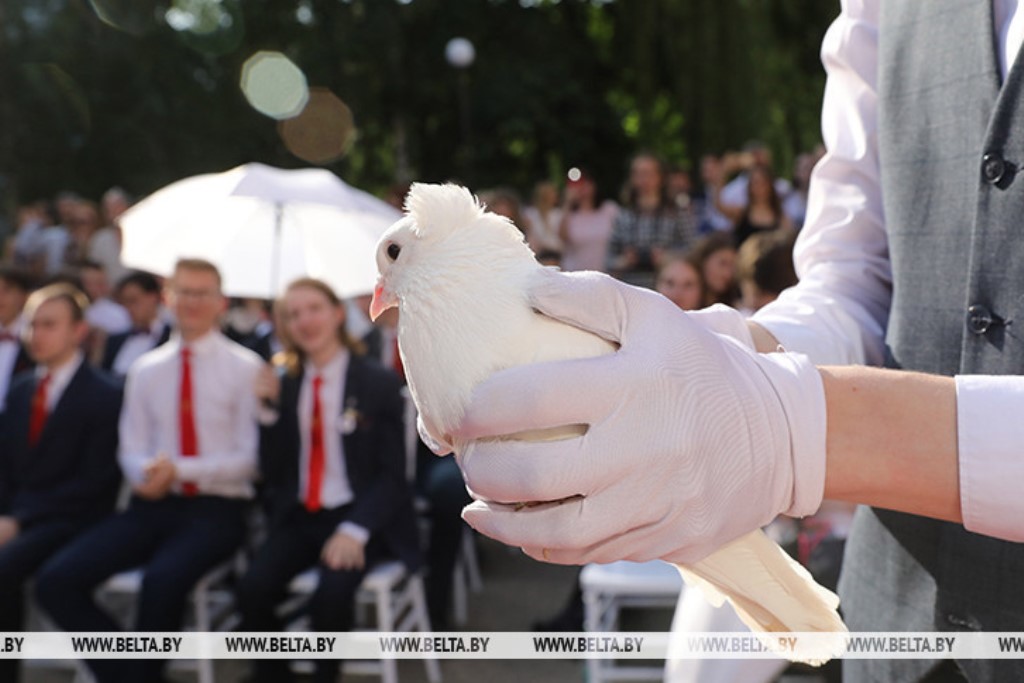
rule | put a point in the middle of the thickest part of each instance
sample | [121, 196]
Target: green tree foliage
[140, 93]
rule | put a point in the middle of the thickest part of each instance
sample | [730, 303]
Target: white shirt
[9, 356]
[543, 233]
[838, 312]
[335, 489]
[136, 345]
[225, 409]
[60, 377]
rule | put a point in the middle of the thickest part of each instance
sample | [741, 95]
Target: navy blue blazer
[116, 341]
[72, 472]
[374, 457]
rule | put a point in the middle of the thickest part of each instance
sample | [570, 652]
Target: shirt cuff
[133, 469]
[188, 468]
[357, 532]
[990, 441]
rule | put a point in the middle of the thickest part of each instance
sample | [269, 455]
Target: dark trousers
[175, 540]
[19, 559]
[292, 547]
[444, 488]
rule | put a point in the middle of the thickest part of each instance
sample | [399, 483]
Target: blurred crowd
[724, 237]
[113, 382]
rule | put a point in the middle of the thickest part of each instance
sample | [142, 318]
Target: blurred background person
[15, 286]
[250, 323]
[545, 219]
[104, 313]
[56, 238]
[189, 439]
[586, 228]
[82, 224]
[680, 281]
[764, 268]
[439, 486]
[141, 296]
[505, 201]
[648, 225]
[679, 186]
[105, 245]
[709, 218]
[27, 248]
[58, 462]
[333, 465]
[762, 210]
[715, 256]
[737, 166]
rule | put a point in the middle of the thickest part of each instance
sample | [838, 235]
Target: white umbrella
[262, 227]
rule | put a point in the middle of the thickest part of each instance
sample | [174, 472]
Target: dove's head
[446, 241]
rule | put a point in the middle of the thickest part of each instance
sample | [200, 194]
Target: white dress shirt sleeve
[837, 313]
[135, 429]
[353, 530]
[990, 441]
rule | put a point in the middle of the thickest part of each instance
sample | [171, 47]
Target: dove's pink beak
[382, 300]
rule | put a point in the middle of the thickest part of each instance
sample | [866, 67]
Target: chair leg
[472, 562]
[421, 619]
[592, 611]
[385, 623]
[459, 598]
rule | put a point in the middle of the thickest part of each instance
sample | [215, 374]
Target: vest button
[979, 319]
[993, 168]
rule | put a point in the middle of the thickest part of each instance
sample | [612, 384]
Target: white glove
[724, 320]
[693, 439]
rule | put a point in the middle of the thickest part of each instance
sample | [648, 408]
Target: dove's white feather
[461, 283]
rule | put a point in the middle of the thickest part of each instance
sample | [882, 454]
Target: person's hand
[693, 439]
[9, 529]
[159, 475]
[268, 385]
[341, 551]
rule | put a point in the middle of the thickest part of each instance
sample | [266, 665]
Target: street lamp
[460, 54]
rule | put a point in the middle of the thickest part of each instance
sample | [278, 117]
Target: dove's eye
[393, 251]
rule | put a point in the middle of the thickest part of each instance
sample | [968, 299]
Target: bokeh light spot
[324, 130]
[274, 85]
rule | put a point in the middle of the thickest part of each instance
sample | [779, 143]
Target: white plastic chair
[400, 604]
[209, 603]
[609, 588]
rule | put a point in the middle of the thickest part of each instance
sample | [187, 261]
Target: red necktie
[37, 420]
[396, 359]
[316, 450]
[186, 418]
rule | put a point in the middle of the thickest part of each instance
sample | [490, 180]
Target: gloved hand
[693, 439]
[724, 320]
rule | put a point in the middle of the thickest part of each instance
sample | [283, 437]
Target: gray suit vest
[950, 138]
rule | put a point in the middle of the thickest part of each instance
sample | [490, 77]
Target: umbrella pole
[275, 259]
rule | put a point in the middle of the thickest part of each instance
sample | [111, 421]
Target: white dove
[459, 276]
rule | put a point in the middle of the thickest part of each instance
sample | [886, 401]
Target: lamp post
[460, 54]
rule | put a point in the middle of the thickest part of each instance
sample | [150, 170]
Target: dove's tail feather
[770, 592]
